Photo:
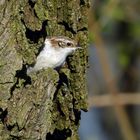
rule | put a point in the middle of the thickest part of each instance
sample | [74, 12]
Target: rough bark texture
[47, 104]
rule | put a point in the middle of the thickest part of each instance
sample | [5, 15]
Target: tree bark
[47, 104]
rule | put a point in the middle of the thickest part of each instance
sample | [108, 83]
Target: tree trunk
[47, 104]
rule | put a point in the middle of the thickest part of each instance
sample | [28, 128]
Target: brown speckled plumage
[61, 41]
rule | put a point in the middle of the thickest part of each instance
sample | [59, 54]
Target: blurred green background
[114, 69]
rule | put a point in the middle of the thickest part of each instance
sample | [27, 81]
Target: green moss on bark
[43, 103]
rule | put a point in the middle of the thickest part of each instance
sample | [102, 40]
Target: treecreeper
[54, 53]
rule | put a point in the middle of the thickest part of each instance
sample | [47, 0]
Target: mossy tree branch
[47, 104]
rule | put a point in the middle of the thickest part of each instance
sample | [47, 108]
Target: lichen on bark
[46, 104]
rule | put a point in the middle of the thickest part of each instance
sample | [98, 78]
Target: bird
[54, 53]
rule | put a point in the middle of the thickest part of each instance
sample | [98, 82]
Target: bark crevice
[59, 134]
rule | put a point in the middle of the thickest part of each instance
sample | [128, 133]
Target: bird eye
[69, 44]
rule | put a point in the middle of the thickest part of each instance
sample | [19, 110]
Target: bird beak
[79, 48]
